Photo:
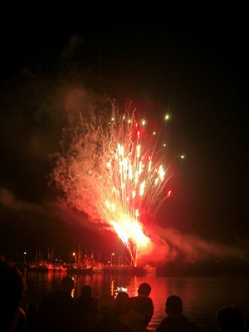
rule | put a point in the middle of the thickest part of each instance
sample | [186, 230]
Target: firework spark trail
[108, 170]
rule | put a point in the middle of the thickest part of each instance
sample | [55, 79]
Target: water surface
[201, 297]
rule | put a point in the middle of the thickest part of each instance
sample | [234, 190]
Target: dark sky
[196, 71]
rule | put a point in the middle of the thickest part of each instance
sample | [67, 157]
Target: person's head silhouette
[173, 305]
[12, 292]
[230, 319]
[144, 289]
[67, 285]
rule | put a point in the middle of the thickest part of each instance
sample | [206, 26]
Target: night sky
[195, 71]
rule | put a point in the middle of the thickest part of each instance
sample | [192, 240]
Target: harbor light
[112, 257]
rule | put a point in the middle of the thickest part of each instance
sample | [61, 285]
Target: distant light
[164, 144]
[154, 133]
[143, 122]
[182, 156]
[167, 117]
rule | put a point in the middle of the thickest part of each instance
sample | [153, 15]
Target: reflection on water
[202, 297]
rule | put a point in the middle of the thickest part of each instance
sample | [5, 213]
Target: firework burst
[110, 169]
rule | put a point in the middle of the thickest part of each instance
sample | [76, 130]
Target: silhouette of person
[144, 291]
[21, 321]
[56, 311]
[12, 292]
[141, 314]
[83, 306]
[230, 319]
[105, 319]
[176, 321]
[122, 303]
[31, 317]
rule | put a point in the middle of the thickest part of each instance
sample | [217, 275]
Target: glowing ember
[110, 170]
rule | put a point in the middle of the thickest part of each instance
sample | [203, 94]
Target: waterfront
[202, 297]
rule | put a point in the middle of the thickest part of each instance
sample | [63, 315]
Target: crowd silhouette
[61, 312]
